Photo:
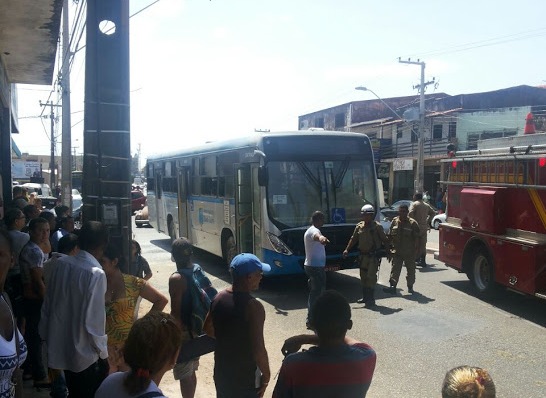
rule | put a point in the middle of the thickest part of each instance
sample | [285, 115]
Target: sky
[206, 70]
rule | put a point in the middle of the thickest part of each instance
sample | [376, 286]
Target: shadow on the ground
[526, 307]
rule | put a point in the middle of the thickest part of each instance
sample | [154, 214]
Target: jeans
[231, 389]
[84, 384]
[33, 340]
[58, 384]
[316, 283]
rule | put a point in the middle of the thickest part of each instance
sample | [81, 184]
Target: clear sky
[204, 70]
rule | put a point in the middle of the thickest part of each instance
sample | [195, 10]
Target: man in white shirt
[73, 314]
[315, 260]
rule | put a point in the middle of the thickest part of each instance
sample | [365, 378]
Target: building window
[437, 132]
[319, 122]
[340, 120]
[399, 133]
[414, 133]
[452, 132]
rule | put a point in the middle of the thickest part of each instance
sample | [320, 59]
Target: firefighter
[421, 212]
[371, 238]
[405, 235]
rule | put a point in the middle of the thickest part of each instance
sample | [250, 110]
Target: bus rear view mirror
[262, 176]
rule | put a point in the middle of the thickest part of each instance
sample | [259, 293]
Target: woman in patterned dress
[122, 295]
[10, 356]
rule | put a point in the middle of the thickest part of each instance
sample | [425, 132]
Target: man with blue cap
[241, 364]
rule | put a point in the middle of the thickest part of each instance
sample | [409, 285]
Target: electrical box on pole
[106, 185]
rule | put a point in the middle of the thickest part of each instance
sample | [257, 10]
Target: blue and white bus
[257, 194]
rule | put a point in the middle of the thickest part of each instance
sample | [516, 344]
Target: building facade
[459, 121]
[28, 45]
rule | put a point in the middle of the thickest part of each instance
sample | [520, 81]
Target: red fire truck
[495, 230]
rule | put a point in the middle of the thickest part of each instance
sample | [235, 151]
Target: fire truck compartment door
[481, 209]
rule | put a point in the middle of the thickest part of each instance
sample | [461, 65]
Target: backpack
[201, 293]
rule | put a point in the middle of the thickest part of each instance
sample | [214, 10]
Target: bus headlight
[278, 245]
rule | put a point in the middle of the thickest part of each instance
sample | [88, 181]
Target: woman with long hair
[122, 294]
[151, 349]
[13, 349]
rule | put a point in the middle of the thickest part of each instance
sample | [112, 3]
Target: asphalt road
[417, 337]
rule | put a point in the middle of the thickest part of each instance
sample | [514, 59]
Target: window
[399, 133]
[414, 133]
[319, 122]
[339, 120]
[452, 132]
[437, 132]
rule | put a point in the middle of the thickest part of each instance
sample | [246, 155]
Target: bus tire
[482, 274]
[229, 250]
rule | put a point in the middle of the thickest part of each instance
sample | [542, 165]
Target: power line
[483, 43]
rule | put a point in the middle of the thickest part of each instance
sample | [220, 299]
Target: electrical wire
[483, 43]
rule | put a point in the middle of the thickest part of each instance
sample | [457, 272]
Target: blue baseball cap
[246, 263]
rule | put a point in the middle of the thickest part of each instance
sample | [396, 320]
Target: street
[417, 337]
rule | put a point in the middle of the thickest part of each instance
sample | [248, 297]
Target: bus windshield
[338, 188]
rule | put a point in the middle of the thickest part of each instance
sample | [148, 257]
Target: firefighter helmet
[367, 209]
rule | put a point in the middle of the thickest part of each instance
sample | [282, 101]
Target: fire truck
[495, 231]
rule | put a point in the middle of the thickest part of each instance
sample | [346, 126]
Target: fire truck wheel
[482, 273]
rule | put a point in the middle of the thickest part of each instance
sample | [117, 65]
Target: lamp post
[362, 88]
[419, 175]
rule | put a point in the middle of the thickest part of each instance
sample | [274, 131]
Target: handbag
[17, 376]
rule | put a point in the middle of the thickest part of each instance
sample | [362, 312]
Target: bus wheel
[172, 232]
[482, 274]
[229, 250]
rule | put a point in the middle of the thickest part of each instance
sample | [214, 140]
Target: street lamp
[420, 158]
[362, 88]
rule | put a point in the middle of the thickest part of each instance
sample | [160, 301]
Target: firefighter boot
[369, 296]
[423, 260]
[363, 299]
[390, 290]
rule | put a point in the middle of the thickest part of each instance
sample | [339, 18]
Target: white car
[437, 220]
[384, 221]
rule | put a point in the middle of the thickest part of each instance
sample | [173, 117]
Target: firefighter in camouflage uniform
[405, 234]
[371, 239]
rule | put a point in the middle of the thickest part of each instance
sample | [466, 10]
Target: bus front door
[183, 208]
[243, 209]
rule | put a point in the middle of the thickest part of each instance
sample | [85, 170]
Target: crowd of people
[96, 346]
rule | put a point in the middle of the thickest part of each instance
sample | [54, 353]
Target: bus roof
[246, 142]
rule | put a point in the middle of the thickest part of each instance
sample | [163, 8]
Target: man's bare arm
[177, 288]
[256, 317]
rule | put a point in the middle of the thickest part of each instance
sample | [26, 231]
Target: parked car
[392, 211]
[141, 217]
[384, 221]
[76, 205]
[437, 220]
[138, 201]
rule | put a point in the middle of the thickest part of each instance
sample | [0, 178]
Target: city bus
[257, 194]
[77, 178]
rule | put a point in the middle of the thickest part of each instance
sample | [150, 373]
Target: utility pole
[52, 157]
[420, 172]
[66, 181]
